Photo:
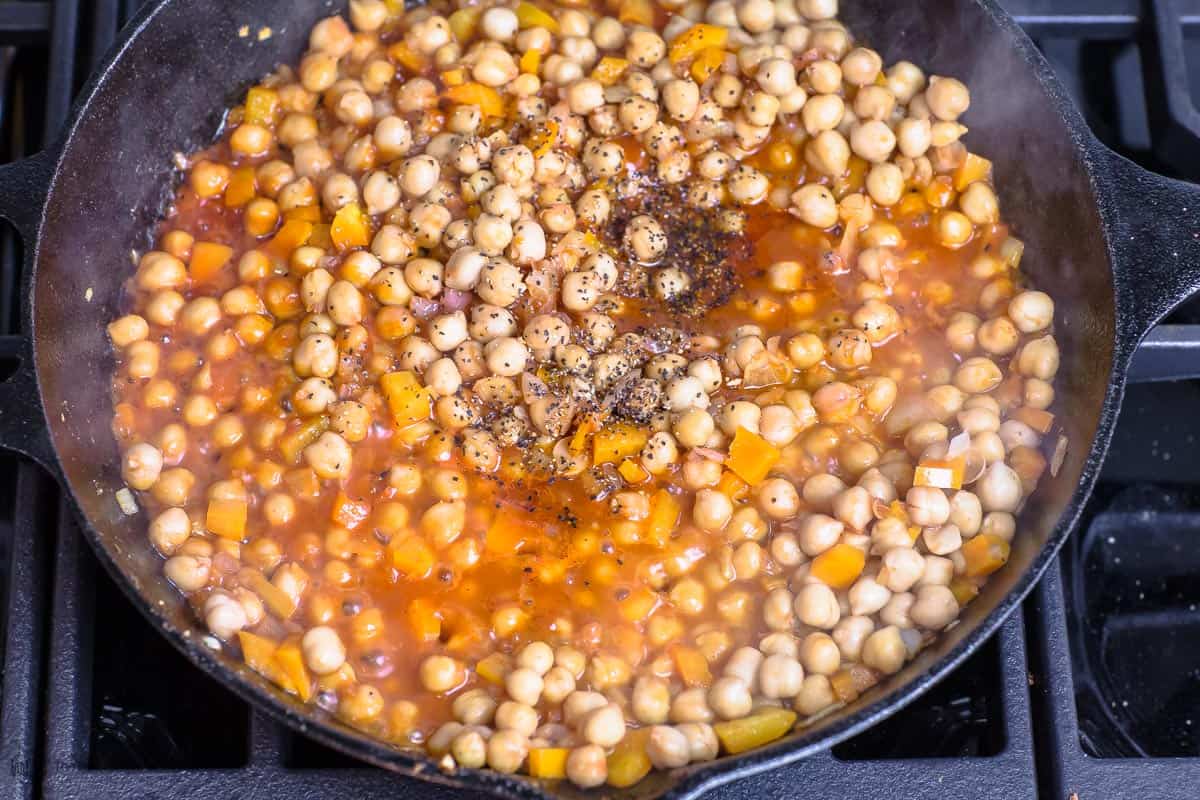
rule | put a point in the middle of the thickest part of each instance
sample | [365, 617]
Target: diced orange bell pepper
[226, 518]
[609, 70]
[617, 442]
[632, 471]
[486, 98]
[964, 590]
[280, 603]
[636, 12]
[708, 61]
[638, 605]
[291, 662]
[530, 16]
[262, 106]
[304, 213]
[839, 566]
[407, 399]
[751, 456]
[207, 261]
[973, 168]
[508, 534]
[349, 513]
[586, 428]
[293, 234]
[351, 227]
[424, 619]
[664, 517]
[1036, 418]
[531, 62]
[984, 554]
[259, 654]
[548, 762]
[543, 138]
[406, 57]
[940, 473]
[733, 487]
[412, 557]
[696, 38]
[691, 665]
[243, 187]
[454, 77]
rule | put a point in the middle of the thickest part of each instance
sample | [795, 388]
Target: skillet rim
[697, 779]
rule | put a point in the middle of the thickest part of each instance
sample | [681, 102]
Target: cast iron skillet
[1116, 246]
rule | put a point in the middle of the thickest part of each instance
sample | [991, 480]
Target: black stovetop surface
[1092, 692]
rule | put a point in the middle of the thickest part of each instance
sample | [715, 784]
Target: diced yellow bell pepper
[407, 399]
[548, 762]
[464, 21]
[454, 77]
[618, 442]
[739, 735]
[291, 445]
[708, 61]
[609, 70]
[629, 762]
[493, 668]
[696, 38]
[751, 456]
[940, 473]
[262, 106]
[351, 227]
[839, 566]
[530, 16]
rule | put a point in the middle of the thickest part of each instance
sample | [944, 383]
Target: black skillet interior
[187, 60]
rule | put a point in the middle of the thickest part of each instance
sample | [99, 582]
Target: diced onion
[126, 501]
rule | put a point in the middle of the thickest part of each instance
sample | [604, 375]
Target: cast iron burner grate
[1086, 693]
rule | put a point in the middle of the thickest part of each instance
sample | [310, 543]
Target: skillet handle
[24, 186]
[1154, 227]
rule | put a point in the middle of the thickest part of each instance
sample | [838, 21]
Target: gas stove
[1091, 691]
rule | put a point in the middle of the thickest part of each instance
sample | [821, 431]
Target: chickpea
[506, 750]
[1031, 311]
[947, 98]
[884, 650]
[330, 456]
[874, 141]
[818, 533]
[587, 766]
[778, 498]
[142, 466]
[604, 726]
[817, 606]
[815, 205]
